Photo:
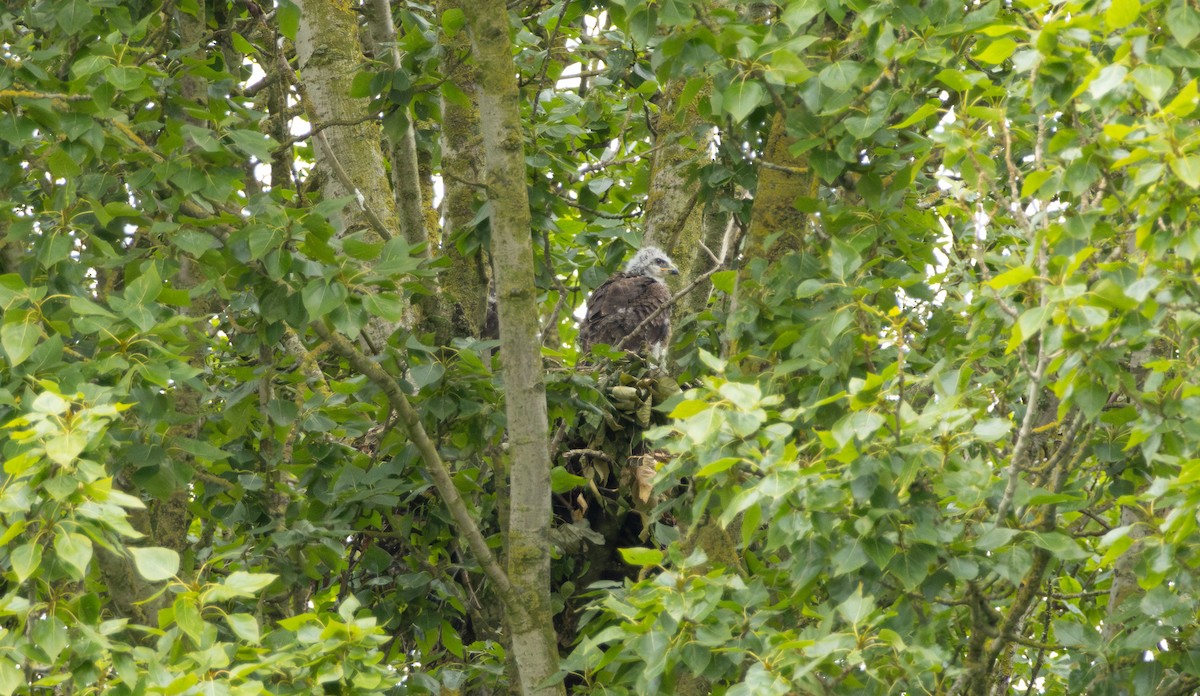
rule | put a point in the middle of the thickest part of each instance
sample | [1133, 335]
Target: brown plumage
[623, 301]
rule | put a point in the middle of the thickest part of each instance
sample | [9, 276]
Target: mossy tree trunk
[533, 642]
[465, 282]
[328, 53]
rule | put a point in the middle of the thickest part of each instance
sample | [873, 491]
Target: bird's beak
[674, 271]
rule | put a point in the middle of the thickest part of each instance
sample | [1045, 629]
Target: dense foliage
[937, 426]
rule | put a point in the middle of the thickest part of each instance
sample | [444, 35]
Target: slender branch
[602, 164]
[437, 468]
[595, 454]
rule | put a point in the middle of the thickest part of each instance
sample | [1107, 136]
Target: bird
[625, 300]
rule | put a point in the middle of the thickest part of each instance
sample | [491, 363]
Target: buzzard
[623, 301]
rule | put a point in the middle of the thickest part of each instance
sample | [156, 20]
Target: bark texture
[776, 226]
[533, 643]
[466, 281]
[327, 48]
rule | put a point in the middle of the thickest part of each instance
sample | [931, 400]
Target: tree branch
[429, 455]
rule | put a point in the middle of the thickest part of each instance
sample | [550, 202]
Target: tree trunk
[533, 643]
[776, 226]
[327, 48]
[466, 281]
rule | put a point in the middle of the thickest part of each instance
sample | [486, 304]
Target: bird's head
[651, 261]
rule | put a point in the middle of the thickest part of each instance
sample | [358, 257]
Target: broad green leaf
[642, 556]
[724, 281]
[992, 429]
[562, 480]
[155, 563]
[426, 374]
[25, 560]
[187, 617]
[997, 51]
[239, 584]
[929, 108]
[124, 78]
[50, 634]
[1152, 81]
[1187, 169]
[244, 626]
[19, 335]
[453, 20]
[1107, 80]
[1013, 276]
[11, 678]
[320, 297]
[1122, 13]
[288, 14]
[741, 97]
[66, 448]
[994, 538]
[145, 288]
[856, 608]
[1183, 21]
[840, 76]
[75, 550]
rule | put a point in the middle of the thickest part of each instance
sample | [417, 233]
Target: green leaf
[451, 640]
[50, 634]
[1183, 22]
[320, 297]
[73, 15]
[1152, 81]
[742, 97]
[11, 677]
[258, 145]
[1122, 13]
[239, 584]
[66, 448]
[799, 12]
[724, 281]
[1186, 168]
[145, 288]
[385, 305]
[994, 538]
[426, 374]
[1062, 546]
[123, 78]
[929, 108]
[840, 76]
[25, 560]
[997, 51]
[562, 480]
[262, 239]
[1013, 276]
[75, 550]
[453, 20]
[155, 563]
[19, 335]
[642, 556]
[992, 429]
[287, 13]
[244, 626]
[1107, 80]
[856, 608]
[188, 619]
[843, 259]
